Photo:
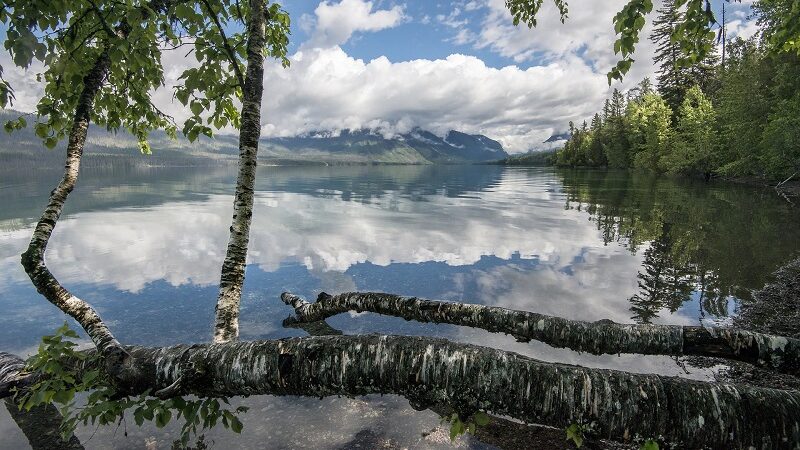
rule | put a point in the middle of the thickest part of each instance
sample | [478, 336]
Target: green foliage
[649, 445]
[575, 434]
[689, 33]
[525, 10]
[757, 112]
[649, 122]
[69, 38]
[469, 425]
[737, 119]
[781, 22]
[675, 74]
[211, 89]
[695, 150]
[781, 138]
[64, 372]
[628, 23]
[578, 432]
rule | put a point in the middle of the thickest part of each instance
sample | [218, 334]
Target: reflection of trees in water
[666, 282]
[707, 241]
[663, 281]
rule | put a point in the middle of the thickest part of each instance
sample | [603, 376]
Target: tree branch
[231, 56]
[602, 337]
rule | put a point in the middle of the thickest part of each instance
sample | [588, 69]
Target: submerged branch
[602, 337]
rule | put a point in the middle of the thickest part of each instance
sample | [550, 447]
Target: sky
[391, 65]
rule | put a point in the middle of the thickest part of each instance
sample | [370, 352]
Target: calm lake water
[145, 247]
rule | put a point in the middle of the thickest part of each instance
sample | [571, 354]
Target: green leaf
[575, 433]
[650, 445]
[163, 417]
[138, 417]
[481, 418]
[236, 425]
[196, 108]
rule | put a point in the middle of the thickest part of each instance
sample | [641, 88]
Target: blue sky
[428, 31]
[392, 65]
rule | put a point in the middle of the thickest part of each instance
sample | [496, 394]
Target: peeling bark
[33, 260]
[430, 371]
[233, 267]
[11, 374]
[602, 337]
[41, 424]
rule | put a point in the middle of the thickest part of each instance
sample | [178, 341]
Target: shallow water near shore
[145, 246]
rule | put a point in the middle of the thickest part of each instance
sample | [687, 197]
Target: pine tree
[616, 145]
[596, 156]
[673, 79]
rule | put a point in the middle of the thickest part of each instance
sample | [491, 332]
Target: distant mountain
[557, 137]
[346, 147]
[418, 146]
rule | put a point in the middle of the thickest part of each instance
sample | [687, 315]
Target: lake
[145, 246]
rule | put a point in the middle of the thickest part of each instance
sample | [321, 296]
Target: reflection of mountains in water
[25, 192]
[701, 243]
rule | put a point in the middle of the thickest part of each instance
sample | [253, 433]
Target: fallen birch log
[602, 337]
[429, 371]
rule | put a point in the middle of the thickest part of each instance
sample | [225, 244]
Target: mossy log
[602, 337]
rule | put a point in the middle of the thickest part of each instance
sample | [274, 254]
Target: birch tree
[426, 371]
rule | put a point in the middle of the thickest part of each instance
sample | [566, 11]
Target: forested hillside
[734, 114]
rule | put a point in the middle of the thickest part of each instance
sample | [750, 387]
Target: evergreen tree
[616, 145]
[695, 149]
[673, 78]
[596, 156]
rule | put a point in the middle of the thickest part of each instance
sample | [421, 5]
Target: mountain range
[346, 147]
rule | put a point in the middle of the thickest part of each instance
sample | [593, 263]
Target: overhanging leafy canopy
[69, 36]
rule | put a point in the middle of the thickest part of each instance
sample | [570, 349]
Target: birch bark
[233, 267]
[602, 337]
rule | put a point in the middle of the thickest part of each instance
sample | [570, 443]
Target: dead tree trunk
[603, 337]
[430, 371]
[233, 268]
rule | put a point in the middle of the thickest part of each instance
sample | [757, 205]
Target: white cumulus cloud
[328, 89]
[336, 22]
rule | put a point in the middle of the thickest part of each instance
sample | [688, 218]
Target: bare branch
[602, 337]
